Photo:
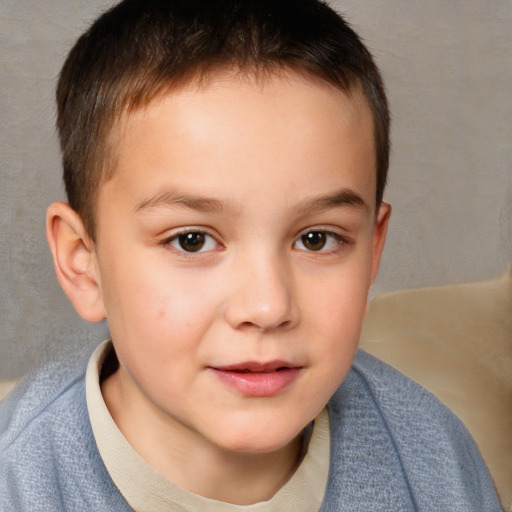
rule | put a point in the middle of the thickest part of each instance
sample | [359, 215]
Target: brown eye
[314, 240]
[192, 242]
[317, 240]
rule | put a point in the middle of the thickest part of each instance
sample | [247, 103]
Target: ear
[379, 236]
[75, 261]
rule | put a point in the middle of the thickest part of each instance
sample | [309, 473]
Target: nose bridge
[263, 292]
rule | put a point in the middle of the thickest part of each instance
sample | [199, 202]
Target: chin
[259, 437]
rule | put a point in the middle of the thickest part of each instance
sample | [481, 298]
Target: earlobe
[75, 261]
[379, 236]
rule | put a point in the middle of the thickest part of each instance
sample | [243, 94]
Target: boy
[225, 165]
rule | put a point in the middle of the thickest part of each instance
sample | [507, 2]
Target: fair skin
[236, 243]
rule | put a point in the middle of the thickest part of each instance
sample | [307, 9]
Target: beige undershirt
[146, 490]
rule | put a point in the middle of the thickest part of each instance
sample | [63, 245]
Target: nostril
[264, 327]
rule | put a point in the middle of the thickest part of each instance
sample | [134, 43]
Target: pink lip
[255, 379]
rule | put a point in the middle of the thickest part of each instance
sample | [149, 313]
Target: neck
[237, 478]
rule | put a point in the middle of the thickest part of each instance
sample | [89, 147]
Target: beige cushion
[6, 387]
[457, 342]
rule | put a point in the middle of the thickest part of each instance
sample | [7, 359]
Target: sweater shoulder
[389, 386]
[381, 419]
[49, 458]
[407, 409]
[40, 398]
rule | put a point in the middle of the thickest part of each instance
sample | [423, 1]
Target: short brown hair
[140, 48]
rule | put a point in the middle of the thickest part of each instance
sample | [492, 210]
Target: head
[228, 217]
[141, 49]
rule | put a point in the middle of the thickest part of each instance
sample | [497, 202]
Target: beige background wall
[448, 69]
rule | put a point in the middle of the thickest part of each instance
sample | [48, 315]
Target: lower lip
[258, 384]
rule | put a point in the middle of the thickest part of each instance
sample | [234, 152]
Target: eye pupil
[192, 242]
[314, 240]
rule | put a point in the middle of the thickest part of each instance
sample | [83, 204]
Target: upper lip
[257, 367]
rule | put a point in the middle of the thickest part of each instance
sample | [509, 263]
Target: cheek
[339, 301]
[158, 333]
[168, 311]
[187, 298]
[338, 325]
[335, 314]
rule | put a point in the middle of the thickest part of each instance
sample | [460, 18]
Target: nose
[262, 295]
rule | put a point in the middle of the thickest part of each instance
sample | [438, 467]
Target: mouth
[253, 379]
[255, 367]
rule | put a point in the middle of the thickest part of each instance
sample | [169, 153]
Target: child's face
[236, 244]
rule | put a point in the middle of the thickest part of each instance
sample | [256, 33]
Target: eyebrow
[193, 202]
[340, 198]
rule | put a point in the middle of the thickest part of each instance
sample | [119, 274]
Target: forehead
[287, 128]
